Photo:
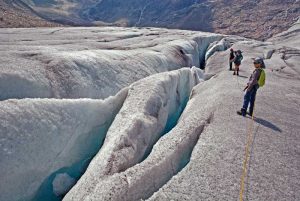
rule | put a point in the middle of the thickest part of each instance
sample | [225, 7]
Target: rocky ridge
[14, 15]
[258, 19]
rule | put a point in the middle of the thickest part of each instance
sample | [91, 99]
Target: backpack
[241, 57]
[238, 58]
[263, 65]
[262, 78]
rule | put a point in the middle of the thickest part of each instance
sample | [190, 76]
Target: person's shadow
[242, 76]
[266, 124]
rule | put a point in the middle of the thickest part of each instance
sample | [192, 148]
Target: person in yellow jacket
[252, 87]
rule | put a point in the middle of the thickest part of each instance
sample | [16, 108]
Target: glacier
[139, 124]
[42, 136]
[215, 166]
[91, 62]
[126, 114]
[44, 66]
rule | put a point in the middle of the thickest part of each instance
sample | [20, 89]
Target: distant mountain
[19, 14]
[259, 19]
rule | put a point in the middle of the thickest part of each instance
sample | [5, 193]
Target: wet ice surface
[46, 144]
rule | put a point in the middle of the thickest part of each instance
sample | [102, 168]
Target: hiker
[256, 80]
[237, 61]
[231, 58]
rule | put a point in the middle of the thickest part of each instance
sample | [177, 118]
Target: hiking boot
[250, 114]
[241, 112]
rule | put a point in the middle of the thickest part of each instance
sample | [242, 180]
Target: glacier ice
[215, 167]
[80, 63]
[41, 136]
[139, 124]
[62, 184]
[217, 46]
[47, 144]
[91, 62]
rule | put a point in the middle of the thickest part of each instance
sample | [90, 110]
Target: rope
[247, 155]
[238, 83]
[247, 149]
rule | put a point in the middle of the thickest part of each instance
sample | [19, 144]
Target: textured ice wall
[203, 44]
[168, 156]
[221, 45]
[91, 62]
[41, 136]
[139, 124]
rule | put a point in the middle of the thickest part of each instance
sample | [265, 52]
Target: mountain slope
[14, 14]
[258, 19]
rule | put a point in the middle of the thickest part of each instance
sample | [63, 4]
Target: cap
[258, 60]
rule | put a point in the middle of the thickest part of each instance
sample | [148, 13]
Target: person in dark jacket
[237, 61]
[231, 58]
[251, 89]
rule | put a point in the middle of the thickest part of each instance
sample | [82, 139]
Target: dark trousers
[230, 65]
[249, 98]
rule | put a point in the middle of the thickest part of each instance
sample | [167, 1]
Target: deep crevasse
[70, 132]
[71, 71]
[40, 137]
[138, 125]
